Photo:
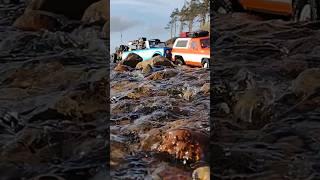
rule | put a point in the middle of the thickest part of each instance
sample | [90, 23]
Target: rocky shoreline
[54, 78]
[159, 120]
[265, 99]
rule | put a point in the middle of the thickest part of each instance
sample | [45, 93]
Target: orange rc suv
[299, 10]
[192, 48]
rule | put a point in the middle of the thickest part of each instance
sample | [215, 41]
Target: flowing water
[53, 106]
[267, 73]
[143, 109]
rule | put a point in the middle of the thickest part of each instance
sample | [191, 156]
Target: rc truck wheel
[114, 57]
[205, 64]
[306, 10]
[179, 61]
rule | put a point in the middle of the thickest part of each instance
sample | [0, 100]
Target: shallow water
[53, 106]
[257, 61]
[143, 110]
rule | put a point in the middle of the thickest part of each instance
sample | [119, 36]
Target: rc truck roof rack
[194, 34]
[155, 40]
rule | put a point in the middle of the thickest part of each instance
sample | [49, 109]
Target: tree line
[193, 12]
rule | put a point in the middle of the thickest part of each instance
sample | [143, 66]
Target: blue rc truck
[146, 49]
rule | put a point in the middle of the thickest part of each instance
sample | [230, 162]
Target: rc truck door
[195, 59]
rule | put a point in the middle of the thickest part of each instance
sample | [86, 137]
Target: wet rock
[142, 91]
[131, 60]
[151, 140]
[22, 149]
[37, 20]
[117, 151]
[205, 88]
[167, 172]
[161, 75]
[201, 173]
[122, 68]
[61, 7]
[185, 144]
[83, 103]
[292, 68]
[307, 83]
[147, 69]
[252, 100]
[162, 61]
[97, 12]
[189, 92]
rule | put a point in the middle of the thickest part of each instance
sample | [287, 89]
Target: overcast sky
[140, 18]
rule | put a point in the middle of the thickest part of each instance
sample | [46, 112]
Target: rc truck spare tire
[305, 10]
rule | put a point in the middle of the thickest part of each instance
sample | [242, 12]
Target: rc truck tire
[114, 58]
[306, 10]
[179, 61]
[205, 64]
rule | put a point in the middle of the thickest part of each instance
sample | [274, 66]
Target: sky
[140, 18]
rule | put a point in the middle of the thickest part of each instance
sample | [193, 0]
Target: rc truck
[147, 49]
[192, 48]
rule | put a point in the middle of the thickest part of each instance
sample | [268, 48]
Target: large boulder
[162, 61]
[73, 9]
[97, 12]
[36, 20]
[131, 60]
[155, 61]
[144, 64]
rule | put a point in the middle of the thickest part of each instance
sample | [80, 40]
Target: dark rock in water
[131, 60]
